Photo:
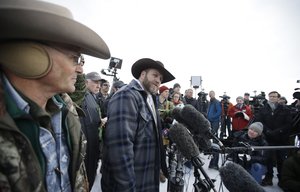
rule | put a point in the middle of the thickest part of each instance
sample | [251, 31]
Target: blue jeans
[257, 170]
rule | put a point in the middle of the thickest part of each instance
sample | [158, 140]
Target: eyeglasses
[77, 59]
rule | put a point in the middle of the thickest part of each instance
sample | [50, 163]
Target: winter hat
[176, 85]
[162, 89]
[257, 127]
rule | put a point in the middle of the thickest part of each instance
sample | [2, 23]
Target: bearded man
[133, 154]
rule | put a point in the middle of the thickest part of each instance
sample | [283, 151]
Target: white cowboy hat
[47, 22]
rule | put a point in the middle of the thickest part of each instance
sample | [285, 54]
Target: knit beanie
[162, 89]
[257, 127]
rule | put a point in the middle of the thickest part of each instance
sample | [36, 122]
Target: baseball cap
[93, 76]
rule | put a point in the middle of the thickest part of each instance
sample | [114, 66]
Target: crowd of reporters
[252, 122]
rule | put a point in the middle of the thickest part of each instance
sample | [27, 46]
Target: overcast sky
[236, 46]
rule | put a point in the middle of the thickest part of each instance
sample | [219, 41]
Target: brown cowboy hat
[47, 22]
[147, 63]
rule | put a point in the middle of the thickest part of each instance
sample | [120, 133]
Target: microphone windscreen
[177, 115]
[203, 143]
[236, 179]
[184, 141]
[197, 123]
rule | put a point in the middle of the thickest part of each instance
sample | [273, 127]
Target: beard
[149, 87]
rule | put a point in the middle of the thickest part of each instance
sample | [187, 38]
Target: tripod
[176, 181]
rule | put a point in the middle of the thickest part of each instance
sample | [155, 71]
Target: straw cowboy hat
[147, 63]
[47, 22]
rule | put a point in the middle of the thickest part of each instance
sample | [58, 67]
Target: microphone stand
[248, 148]
[201, 185]
[176, 182]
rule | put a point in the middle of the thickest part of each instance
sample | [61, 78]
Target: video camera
[296, 95]
[202, 93]
[202, 96]
[114, 64]
[295, 112]
[224, 97]
[258, 101]
[262, 95]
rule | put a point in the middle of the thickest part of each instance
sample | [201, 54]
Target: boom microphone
[236, 179]
[195, 120]
[179, 134]
[203, 142]
[198, 124]
[177, 115]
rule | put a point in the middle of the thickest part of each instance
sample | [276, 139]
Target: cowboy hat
[147, 63]
[47, 22]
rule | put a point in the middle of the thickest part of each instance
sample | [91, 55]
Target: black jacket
[290, 175]
[257, 156]
[90, 126]
[277, 124]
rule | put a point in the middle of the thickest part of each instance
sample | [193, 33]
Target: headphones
[25, 59]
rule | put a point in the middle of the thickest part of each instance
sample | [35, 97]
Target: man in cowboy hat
[132, 153]
[42, 147]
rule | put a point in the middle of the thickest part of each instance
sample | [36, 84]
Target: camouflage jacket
[21, 167]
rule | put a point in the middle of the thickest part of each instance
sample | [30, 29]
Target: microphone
[203, 142]
[198, 124]
[236, 179]
[177, 115]
[179, 134]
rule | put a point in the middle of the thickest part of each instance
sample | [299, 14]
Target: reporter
[277, 121]
[255, 162]
[240, 114]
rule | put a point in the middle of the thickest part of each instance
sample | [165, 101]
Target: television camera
[225, 119]
[114, 64]
[202, 102]
[258, 101]
[225, 101]
[202, 96]
[295, 110]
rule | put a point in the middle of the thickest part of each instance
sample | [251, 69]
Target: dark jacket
[192, 101]
[103, 103]
[22, 162]
[277, 124]
[90, 126]
[257, 156]
[290, 174]
[132, 143]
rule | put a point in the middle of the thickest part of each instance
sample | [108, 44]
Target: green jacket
[21, 161]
